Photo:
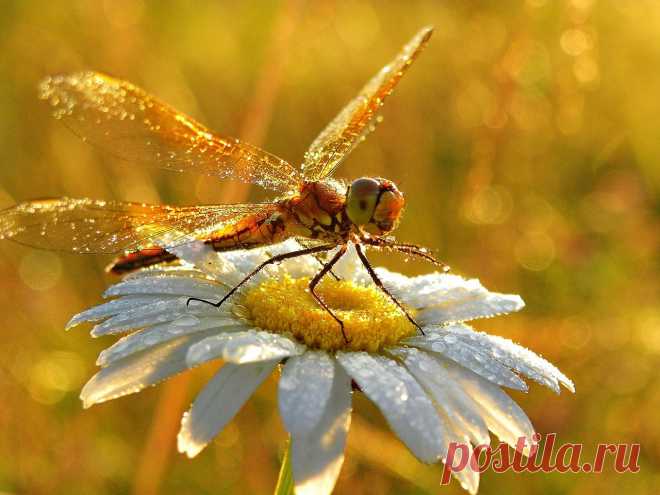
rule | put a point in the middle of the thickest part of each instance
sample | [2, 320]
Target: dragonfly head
[374, 204]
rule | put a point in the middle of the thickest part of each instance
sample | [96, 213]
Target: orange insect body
[317, 212]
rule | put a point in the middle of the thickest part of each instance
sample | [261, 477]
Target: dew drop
[186, 321]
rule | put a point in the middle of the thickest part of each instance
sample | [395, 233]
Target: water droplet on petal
[186, 321]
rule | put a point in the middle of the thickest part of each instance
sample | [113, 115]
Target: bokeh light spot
[54, 374]
[535, 251]
[40, 270]
[490, 205]
[575, 42]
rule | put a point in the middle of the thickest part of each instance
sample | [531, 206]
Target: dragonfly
[323, 213]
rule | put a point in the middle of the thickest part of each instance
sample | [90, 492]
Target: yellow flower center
[371, 320]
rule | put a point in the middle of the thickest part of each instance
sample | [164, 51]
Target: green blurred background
[526, 139]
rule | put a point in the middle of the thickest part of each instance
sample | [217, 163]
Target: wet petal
[304, 266]
[135, 372]
[304, 390]
[515, 357]
[406, 406]
[317, 456]
[161, 311]
[467, 477]
[206, 259]
[158, 334]
[114, 307]
[219, 402]
[169, 285]
[502, 415]
[183, 270]
[246, 261]
[444, 341]
[459, 408]
[444, 298]
[244, 347]
[350, 267]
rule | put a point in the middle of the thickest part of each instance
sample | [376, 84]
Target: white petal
[405, 405]
[470, 309]
[135, 372]
[114, 307]
[246, 261]
[232, 266]
[445, 341]
[219, 402]
[158, 334]
[444, 298]
[304, 390]
[162, 311]
[459, 408]
[461, 415]
[244, 347]
[169, 285]
[304, 266]
[467, 477]
[516, 357]
[502, 415]
[317, 456]
[206, 259]
[350, 267]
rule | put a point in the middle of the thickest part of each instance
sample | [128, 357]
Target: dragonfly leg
[382, 287]
[327, 267]
[409, 249]
[270, 261]
[421, 253]
[334, 275]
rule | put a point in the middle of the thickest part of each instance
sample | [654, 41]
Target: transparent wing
[111, 227]
[358, 118]
[133, 125]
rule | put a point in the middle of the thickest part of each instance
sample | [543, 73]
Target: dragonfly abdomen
[259, 229]
[140, 259]
[263, 227]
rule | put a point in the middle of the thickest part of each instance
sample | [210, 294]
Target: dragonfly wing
[112, 227]
[359, 117]
[127, 122]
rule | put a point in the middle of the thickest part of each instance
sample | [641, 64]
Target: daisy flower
[433, 389]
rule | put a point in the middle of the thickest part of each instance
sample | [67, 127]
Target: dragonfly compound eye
[388, 209]
[361, 200]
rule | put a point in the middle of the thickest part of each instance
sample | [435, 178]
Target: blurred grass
[525, 139]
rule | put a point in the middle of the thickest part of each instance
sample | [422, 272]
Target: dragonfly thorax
[374, 205]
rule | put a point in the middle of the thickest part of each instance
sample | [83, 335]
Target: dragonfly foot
[210, 303]
[412, 320]
[343, 332]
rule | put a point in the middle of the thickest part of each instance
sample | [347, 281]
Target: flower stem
[285, 479]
